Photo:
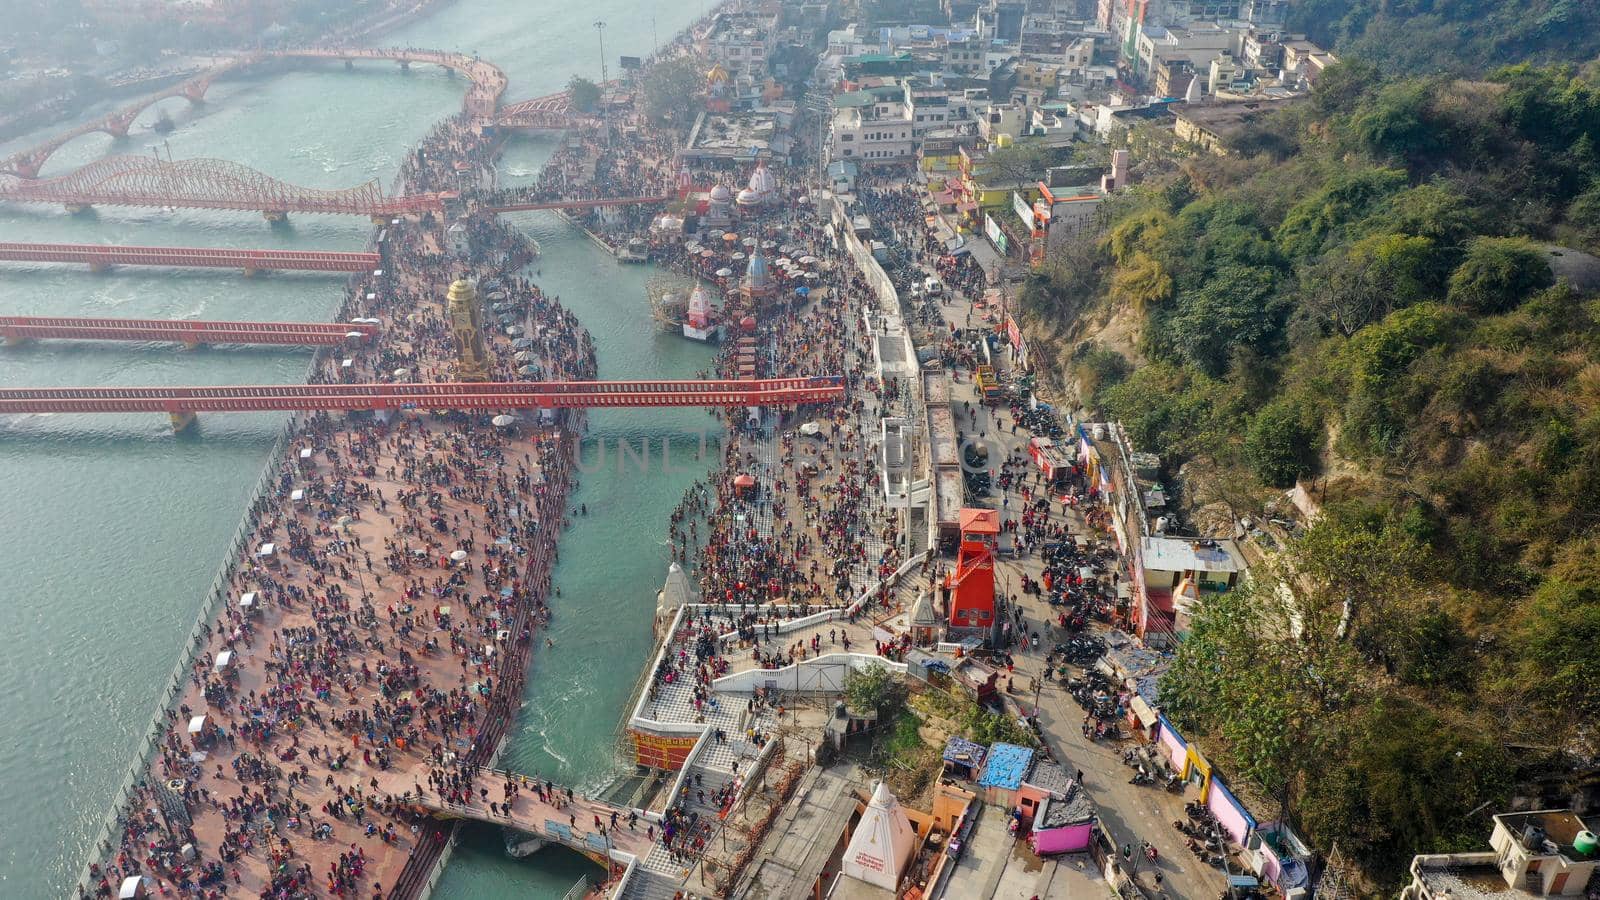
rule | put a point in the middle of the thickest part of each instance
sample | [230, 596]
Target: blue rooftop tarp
[968, 753]
[1008, 765]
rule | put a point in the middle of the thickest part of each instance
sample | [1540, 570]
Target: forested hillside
[1361, 299]
[1453, 36]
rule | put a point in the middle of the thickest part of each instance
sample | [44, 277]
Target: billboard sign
[996, 236]
[1024, 210]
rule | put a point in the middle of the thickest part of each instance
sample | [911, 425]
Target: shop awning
[1147, 716]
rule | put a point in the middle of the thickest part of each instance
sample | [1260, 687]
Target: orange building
[969, 590]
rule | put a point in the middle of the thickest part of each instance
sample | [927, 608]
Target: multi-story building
[873, 127]
[1263, 50]
[1077, 57]
[1543, 853]
[742, 42]
[1264, 13]
[1002, 20]
[1040, 77]
[1173, 77]
[1186, 11]
[1223, 72]
[1003, 119]
[964, 56]
[960, 11]
[1158, 46]
[934, 109]
[1306, 59]
[1045, 35]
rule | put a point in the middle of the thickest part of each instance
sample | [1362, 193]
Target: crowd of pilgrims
[356, 682]
[630, 163]
[816, 497]
[393, 648]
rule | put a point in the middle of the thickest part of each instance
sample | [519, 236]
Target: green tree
[875, 688]
[1394, 123]
[585, 94]
[1349, 566]
[1498, 274]
[1343, 85]
[1135, 233]
[1281, 443]
[1238, 308]
[1558, 643]
[1023, 161]
[1141, 284]
[1310, 224]
[1400, 777]
[1583, 214]
[672, 90]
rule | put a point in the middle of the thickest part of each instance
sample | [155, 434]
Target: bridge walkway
[571, 824]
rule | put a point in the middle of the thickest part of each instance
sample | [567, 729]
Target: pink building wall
[1177, 750]
[1223, 805]
[1068, 839]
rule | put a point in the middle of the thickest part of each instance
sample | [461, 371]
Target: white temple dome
[763, 183]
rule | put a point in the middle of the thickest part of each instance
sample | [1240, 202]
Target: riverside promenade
[381, 615]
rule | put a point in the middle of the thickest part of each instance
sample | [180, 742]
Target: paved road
[1131, 813]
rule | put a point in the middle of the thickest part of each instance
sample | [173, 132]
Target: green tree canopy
[1282, 442]
[875, 688]
[1238, 308]
[672, 90]
[1497, 274]
[585, 94]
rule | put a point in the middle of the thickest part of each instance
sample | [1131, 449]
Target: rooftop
[746, 135]
[1047, 776]
[1076, 808]
[1007, 765]
[1193, 554]
[1464, 876]
[796, 850]
[1560, 826]
[1223, 117]
[968, 753]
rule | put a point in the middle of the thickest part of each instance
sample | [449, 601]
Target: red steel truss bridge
[204, 184]
[182, 403]
[551, 112]
[15, 329]
[102, 256]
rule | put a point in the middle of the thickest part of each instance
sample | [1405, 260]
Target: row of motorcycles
[1147, 769]
[1203, 834]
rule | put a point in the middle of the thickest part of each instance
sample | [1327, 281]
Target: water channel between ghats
[113, 528]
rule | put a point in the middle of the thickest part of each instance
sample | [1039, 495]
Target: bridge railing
[108, 838]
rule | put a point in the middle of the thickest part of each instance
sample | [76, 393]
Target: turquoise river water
[111, 528]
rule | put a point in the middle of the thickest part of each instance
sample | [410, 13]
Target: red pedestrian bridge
[205, 184]
[183, 402]
[16, 329]
[552, 112]
[103, 256]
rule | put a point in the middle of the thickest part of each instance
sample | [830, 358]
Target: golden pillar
[466, 322]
